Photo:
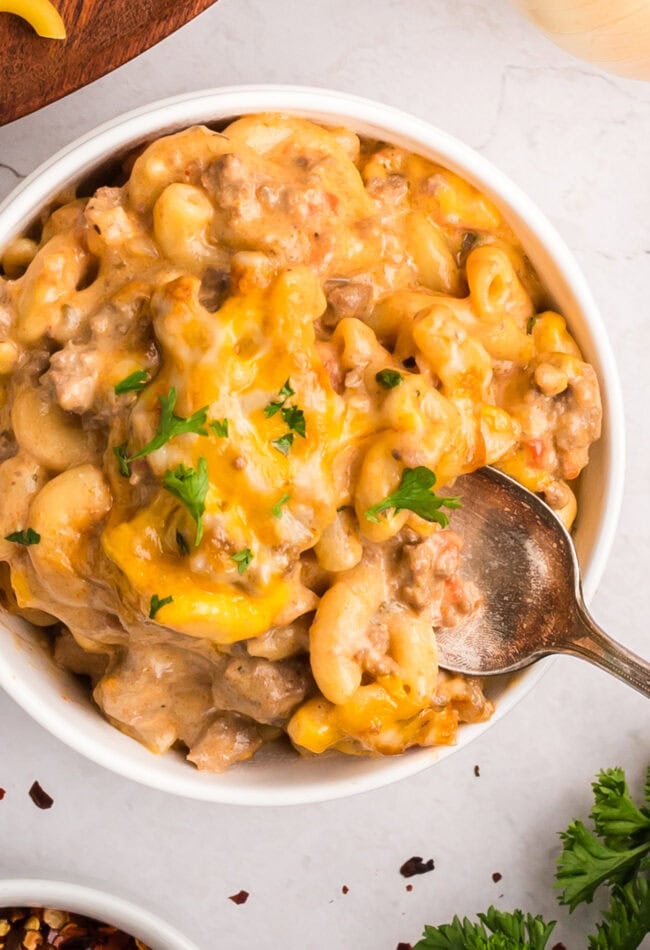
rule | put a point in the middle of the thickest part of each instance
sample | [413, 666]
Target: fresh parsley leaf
[614, 813]
[190, 486]
[133, 383]
[286, 390]
[242, 559]
[26, 537]
[523, 931]
[275, 406]
[284, 443]
[389, 378]
[585, 863]
[156, 603]
[277, 507]
[627, 920]
[295, 419]
[181, 544]
[171, 425]
[122, 459]
[414, 494]
[219, 427]
[497, 930]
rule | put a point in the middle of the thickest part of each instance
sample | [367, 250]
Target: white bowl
[58, 702]
[104, 907]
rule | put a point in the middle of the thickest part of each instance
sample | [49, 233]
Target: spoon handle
[591, 643]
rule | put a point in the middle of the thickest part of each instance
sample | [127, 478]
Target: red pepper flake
[40, 797]
[416, 865]
[409, 887]
[240, 898]
[345, 889]
[404, 946]
[2, 793]
[558, 946]
[477, 771]
[496, 877]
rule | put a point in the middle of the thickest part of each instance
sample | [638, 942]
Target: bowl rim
[213, 105]
[99, 904]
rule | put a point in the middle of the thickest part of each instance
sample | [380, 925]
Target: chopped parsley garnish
[295, 419]
[133, 383]
[414, 494]
[156, 603]
[219, 427]
[275, 406]
[169, 426]
[278, 506]
[242, 559]
[530, 324]
[190, 486]
[181, 544]
[291, 415]
[26, 537]
[284, 443]
[389, 378]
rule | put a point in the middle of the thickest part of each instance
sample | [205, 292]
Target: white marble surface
[579, 142]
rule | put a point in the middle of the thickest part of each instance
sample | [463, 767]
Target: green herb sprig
[169, 426]
[134, 383]
[156, 603]
[26, 537]
[615, 855]
[389, 378]
[190, 486]
[242, 559]
[414, 494]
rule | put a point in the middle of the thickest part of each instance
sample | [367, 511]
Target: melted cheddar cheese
[312, 316]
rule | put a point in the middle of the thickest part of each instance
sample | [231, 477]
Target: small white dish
[107, 908]
[275, 777]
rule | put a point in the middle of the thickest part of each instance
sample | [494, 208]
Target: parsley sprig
[414, 493]
[190, 486]
[242, 559]
[134, 383]
[615, 855]
[497, 929]
[276, 510]
[156, 603]
[285, 393]
[293, 417]
[26, 537]
[169, 426]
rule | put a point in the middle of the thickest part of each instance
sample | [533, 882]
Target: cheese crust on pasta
[213, 373]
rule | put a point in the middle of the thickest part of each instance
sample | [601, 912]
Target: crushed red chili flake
[404, 946]
[496, 877]
[2, 793]
[240, 898]
[416, 865]
[40, 797]
[477, 771]
[558, 946]
[409, 887]
[28, 928]
[345, 889]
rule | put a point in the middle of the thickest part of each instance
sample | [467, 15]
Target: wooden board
[102, 34]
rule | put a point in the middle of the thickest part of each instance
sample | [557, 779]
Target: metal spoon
[524, 563]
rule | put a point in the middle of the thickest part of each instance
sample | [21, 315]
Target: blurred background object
[613, 34]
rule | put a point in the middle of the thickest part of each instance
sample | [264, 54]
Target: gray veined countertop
[578, 141]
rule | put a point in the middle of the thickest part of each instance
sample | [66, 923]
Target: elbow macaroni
[271, 274]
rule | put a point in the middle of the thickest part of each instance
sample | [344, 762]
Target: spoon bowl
[524, 564]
